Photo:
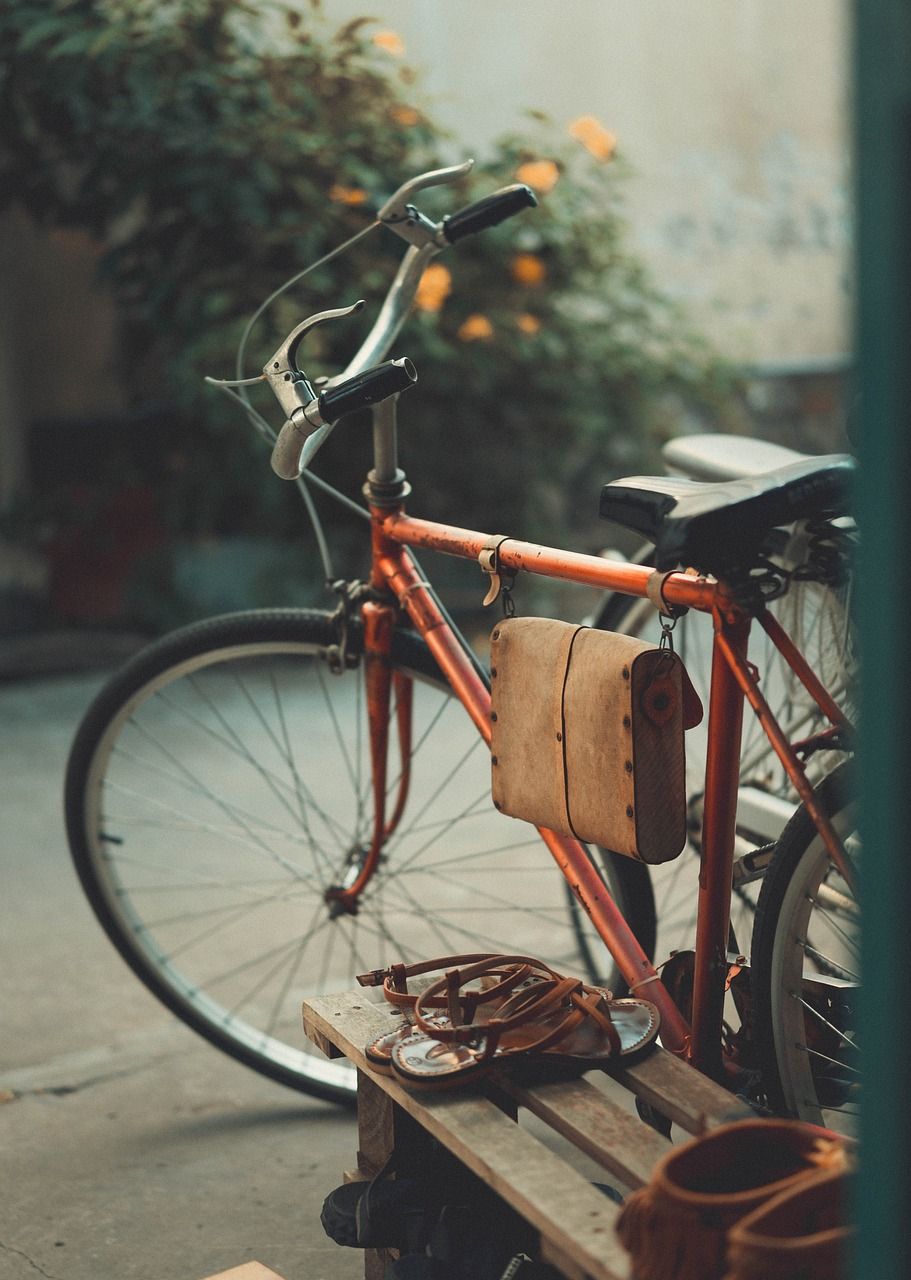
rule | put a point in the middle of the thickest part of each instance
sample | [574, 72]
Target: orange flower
[405, 116]
[594, 137]
[391, 42]
[476, 328]
[540, 175]
[434, 288]
[527, 268]
[527, 323]
[347, 195]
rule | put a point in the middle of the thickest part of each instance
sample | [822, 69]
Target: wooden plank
[375, 1128]
[680, 1092]
[344, 1023]
[555, 1199]
[604, 1131]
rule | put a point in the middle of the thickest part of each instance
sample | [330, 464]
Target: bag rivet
[627, 722]
[493, 673]
[626, 673]
[629, 810]
[496, 635]
[628, 766]
[497, 805]
[493, 715]
[493, 759]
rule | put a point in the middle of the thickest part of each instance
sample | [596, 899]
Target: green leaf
[39, 31]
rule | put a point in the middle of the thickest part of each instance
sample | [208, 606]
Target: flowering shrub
[215, 147]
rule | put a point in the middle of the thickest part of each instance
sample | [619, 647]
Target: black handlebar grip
[488, 211]
[369, 387]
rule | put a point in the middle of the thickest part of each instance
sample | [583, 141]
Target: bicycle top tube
[674, 590]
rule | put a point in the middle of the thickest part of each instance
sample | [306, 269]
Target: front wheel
[220, 784]
[806, 968]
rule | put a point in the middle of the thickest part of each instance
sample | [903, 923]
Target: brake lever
[292, 388]
[401, 216]
[284, 361]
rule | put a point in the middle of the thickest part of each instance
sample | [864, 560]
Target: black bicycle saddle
[717, 526]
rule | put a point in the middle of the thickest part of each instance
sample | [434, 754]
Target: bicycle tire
[205, 852]
[817, 617]
[805, 968]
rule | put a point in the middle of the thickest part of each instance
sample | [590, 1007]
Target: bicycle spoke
[252, 842]
[431, 918]
[229, 810]
[353, 770]
[299, 787]
[824, 1057]
[239, 913]
[434, 839]
[828, 966]
[826, 1023]
[235, 743]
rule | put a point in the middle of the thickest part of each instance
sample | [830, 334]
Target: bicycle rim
[220, 785]
[806, 969]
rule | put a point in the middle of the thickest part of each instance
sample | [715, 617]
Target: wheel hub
[338, 896]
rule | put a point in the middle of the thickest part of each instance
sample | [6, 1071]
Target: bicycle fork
[384, 688]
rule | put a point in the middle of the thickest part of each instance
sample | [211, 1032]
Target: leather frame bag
[587, 735]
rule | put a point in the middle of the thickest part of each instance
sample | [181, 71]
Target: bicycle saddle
[718, 526]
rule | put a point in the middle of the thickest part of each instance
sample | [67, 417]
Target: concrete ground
[128, 1146]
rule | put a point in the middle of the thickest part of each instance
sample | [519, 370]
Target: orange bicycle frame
[397, 586]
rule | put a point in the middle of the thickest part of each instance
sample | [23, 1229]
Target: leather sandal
[554, 1021]
[499, 978]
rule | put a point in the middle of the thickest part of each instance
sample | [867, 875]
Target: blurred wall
[57, 338]
[733, 113]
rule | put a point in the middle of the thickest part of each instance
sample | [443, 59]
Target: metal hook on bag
[668, 622]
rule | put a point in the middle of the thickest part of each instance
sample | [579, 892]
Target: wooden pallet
[572, 1222]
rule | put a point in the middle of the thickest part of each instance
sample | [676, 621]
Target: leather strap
[558, 702]
[655, 589]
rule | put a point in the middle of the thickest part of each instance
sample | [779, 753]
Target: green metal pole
[883, 202]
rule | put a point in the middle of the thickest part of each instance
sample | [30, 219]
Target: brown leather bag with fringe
[676, 1227]
[587, 735]
[801, 1232]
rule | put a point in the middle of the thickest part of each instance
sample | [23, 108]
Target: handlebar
[325, 409]
[365, 380]
[488, 212]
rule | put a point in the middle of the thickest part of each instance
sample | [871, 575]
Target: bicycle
[222, 876]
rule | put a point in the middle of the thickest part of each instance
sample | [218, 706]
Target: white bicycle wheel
[806, 968]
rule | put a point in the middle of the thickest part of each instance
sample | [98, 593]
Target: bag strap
[558, 705]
